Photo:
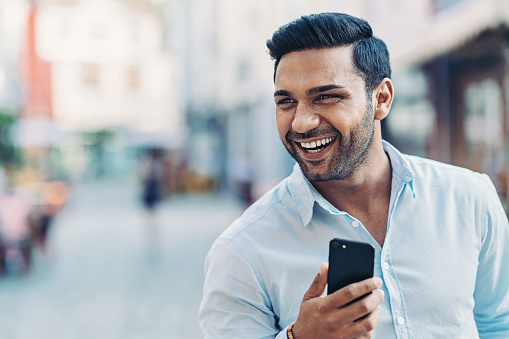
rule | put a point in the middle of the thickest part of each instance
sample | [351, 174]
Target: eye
[328, 96]
[285, 102]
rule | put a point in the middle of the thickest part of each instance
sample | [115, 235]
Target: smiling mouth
[316, 146]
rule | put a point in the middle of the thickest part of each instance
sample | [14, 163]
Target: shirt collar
[305, 195]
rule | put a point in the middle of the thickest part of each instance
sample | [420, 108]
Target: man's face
[323, 116]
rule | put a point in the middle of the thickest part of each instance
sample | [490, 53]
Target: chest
[427, 277]
[375, 222]
[377, 229]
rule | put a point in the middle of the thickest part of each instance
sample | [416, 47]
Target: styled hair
[329, 30]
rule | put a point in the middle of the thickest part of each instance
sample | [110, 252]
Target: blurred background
[133, 132]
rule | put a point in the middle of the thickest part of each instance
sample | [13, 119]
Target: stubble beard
[348, 155]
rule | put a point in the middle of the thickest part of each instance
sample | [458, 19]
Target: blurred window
[412, 119]
[243, 69]
[133, 77]
[63, 29]
[97, 31]
[135, 31]
[483, 127]
[484, 113]
[65, 2]
[90, 74]
[441, 5]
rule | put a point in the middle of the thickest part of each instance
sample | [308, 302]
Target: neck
[366, 189]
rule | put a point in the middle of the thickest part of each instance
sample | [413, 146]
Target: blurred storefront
[454, 69]
[193, 77]
[96, 73]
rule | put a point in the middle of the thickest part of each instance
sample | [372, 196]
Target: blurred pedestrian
[153, 172]
[54, 195]
[241, 174]
[16, 238]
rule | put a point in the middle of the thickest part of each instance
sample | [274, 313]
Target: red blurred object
[37, 75]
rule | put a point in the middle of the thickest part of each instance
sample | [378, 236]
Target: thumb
[318, 286]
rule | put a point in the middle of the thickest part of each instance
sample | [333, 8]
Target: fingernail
[323, 267]
[378, 281]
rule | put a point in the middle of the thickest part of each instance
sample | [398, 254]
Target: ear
[382, 99]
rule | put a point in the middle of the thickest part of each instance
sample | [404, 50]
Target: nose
[305, 119]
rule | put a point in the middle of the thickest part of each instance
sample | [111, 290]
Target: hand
[329, 317]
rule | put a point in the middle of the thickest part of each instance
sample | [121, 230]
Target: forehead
[317, 67]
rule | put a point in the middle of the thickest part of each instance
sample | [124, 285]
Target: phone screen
[349, 262]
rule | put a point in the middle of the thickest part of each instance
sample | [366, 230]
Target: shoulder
[458, 183]
[251, 239]
[269, 212]
[439, 172]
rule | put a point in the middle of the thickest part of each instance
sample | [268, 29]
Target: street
[112, 275]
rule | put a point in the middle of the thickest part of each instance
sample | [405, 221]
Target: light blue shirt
[444, 262]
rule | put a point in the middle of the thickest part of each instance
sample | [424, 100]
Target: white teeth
[315, 144]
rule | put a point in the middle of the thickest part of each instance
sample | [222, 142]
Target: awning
[38, 132]
[445, 31]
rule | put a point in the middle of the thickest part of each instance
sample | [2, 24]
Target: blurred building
[452, 84]
[98, 67]
[12, 36]
[450, 71]
[226, 78]
[12, 27]
[110, 67]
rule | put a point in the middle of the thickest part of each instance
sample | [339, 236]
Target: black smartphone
[349, 262]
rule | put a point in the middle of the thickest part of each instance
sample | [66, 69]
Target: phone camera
[335, 244]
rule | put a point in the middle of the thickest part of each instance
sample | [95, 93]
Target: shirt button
[385, 265]
[355, 223]
[401, 321]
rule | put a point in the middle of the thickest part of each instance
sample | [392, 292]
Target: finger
[359, 309]
[318, 286]
[366, 336]
[353, 291]
[364, 328]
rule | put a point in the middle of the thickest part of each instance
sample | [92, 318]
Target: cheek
[345, 118]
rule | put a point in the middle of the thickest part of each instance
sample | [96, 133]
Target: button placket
[395, 296]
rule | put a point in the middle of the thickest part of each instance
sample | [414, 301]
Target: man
[440, 235]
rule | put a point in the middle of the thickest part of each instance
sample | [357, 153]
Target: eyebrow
[281, 92]
[323, 88]
[310, 91]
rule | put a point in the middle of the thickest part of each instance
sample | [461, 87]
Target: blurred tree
[95, 142]
[8, 151]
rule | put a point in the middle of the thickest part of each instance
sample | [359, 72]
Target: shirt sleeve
[491, 310]
[235, 303]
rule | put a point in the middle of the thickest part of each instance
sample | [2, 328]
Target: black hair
[328, 30]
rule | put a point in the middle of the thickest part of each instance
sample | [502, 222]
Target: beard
[346, 156]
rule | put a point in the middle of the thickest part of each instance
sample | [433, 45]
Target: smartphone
[349, 262]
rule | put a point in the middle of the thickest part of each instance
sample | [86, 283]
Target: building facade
[109, 64]
[226, 78]
[454, 70]
[449, 60]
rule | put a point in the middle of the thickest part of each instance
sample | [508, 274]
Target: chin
[322, 170]
[317, 177]
[325, 173]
